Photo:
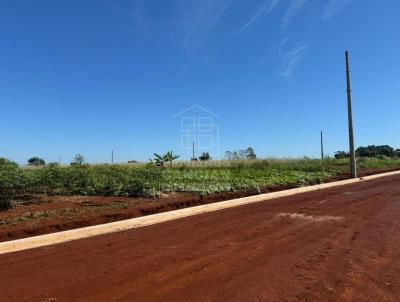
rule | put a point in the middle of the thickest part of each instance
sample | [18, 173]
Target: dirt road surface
[340, 244]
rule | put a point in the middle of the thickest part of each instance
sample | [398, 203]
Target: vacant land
[35, 214]
[340, 244]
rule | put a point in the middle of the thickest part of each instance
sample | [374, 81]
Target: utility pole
[112, 156]
[322, 146]
[193, 151]
[353, 166]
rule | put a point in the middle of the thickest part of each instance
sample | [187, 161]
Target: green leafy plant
[158, 160]
[10, 180]
[161, 160]
[170, 157]
[149, 180]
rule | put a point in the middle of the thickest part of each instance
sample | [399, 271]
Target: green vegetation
[201, 177]
[205, 156]
[376, 151]
[36, 161]
[241, 154]
[160, 160]
[371, 151]
[10, 181]
[78, 160]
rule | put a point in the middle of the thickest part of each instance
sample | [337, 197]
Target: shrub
[10, 181]
[205, 156]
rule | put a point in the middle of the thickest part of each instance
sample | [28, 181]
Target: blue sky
[92, 76]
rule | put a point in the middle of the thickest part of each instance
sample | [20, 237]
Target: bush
[341, 154]
[105, 180]
[205, 156]
[10, 181]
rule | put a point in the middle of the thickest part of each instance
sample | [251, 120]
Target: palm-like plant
[160, 160]
[170, 157]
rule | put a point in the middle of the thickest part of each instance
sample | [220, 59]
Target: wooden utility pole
[353, 166]
[322, 146]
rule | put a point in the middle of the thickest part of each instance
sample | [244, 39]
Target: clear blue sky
[91, 76]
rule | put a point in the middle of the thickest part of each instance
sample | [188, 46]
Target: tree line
[241, 154]
[371, 151]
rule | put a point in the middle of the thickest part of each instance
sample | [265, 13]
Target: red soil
[39, 214]
[343, 244]
[43, 215]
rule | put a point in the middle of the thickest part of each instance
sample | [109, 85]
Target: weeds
[151, 181]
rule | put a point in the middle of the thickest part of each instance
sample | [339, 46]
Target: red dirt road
[341, 244]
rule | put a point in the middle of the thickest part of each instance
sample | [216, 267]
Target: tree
[250, 153]
[205, 156]
[36, 161]
[241, 154]
[341, 154]
[78, 160]
[374, 151]
[229, 155]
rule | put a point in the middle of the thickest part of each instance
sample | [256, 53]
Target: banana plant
[170, 157]
[160, 160]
